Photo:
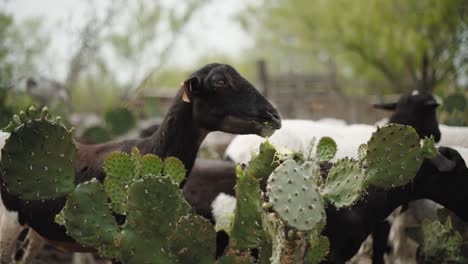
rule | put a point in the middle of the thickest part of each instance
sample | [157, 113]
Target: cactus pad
[326, 149]
[344, 184]
[295, 197]
[262, 164]
[150, 165]
[194, 240]
[246, 230]
[96, 134]
[38, 159]
[120, 172]
[429, 150]
[120, 120]
[362, 152]
[318, 250]
[174, 168]
[88, 219]
[393, 156]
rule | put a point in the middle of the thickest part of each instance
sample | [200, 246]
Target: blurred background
[110, 67]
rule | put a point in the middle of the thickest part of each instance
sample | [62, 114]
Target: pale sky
[212, 30]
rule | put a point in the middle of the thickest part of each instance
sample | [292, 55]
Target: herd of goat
[217, 98]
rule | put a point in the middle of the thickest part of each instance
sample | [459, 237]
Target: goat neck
[178, 135]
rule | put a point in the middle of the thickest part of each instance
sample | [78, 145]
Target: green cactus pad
[194, 240]
[246, 228]
[326, 149]
[96, 134]
[150, 165]
[295, 197]
[38, 160]
[429, 150]
[318, 250]
[312, 169]
[393, 156]
[175, 169]
[274, 228]
[362, 152]
[262, 164]
[120, 120]
[344, 184]
[163, 203]
[136, 248]
[120, 172]
[88, 219]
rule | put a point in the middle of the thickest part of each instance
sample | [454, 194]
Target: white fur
[223, 210]
[297, 135]
[453, 136]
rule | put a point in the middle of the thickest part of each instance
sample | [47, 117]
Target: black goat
[214, 98]
[443, 180]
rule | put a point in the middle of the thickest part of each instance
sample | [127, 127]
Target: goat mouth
[251, 125]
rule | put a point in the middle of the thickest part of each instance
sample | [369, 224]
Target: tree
[410, 44]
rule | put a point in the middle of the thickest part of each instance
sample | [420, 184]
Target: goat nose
[275, 118]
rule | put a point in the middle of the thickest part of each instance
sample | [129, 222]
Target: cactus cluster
[38, 159]
[293, 207]
[160, 225]
[439, 241]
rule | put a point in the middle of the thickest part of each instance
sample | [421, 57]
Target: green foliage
[326, 149]
[344, 184]
[392, 40]
[159, 225]
[454, 111]
[38, 147]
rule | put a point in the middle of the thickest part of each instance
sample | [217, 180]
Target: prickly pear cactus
[38, 159]
[175, 169]
[246, 230]
[344, 184]
[439, 242]
[263, 164]
[120, 120]
[326, 149]
[362, 152]
[159, 226]
[394, 156]
[295, 197]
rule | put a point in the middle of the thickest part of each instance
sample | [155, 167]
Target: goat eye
[220, 83]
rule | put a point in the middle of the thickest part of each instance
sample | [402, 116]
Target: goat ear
[191, 86]
[386, 106]
[443, 164]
